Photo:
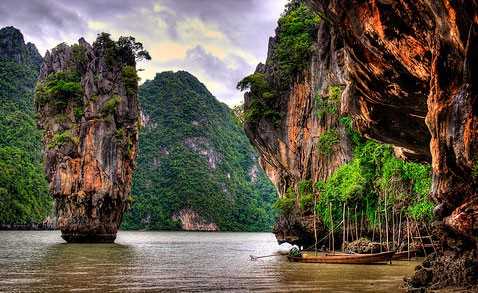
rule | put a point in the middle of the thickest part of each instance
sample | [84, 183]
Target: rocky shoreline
[27, 227]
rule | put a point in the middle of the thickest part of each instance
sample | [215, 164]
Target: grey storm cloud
[38, 18]
[246, 25]
[52, 19]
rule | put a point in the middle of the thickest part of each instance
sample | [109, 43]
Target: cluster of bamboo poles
[388, 226]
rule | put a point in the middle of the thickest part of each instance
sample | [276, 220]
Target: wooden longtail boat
[342, 258]
[404, 255]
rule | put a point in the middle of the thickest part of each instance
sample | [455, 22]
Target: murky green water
[176, 261]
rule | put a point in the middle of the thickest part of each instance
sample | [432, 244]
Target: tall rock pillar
[87, 104]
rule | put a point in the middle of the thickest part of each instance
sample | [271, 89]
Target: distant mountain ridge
[196, 169]
[14, 48]
[24, 198]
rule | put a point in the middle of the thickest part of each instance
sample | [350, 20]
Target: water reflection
[176, 261]
[93, 266]
[344, 278]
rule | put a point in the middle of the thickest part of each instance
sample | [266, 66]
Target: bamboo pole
[408, 238]
[348, 225]
[393, 228]
[332, 224]
[361, 222]
[431, 239]
[421, 239]
[315, 222]
[400, 229]
[380, 227]
[386, 223]
[329, 240]
[356, 224]
[343, 229]
[373, 227]
[254, 258]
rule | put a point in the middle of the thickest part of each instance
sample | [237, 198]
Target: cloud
[221, 74]
[219, 41]
[40, 23]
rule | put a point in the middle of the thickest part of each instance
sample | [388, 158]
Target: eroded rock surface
[192, 221]
[409, 71]
[88, 107]
[289, 150]
[414, 59]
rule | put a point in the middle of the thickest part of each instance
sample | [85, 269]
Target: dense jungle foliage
[194, 155]
[294, 38]
[376, 181]
[59, 89]
[23, 187]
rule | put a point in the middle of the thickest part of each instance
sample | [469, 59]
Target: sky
[218, 41]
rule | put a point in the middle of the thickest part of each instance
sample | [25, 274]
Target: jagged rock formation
[13, 47]
[290, 151]
[88, 107]
[196, 168]
[410, 72]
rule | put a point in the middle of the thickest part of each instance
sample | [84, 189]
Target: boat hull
[404, 255]
[375, 258]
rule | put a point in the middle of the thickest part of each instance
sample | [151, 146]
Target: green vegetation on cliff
[294, 39]
[16, 84]
[330, 104]
[327, 141]
[23, 191]
[291, 53]
[373, 176]
[59, 88]
[374, 181]
[63, 92]
[261, 98]
[23, 188]
[194, 156]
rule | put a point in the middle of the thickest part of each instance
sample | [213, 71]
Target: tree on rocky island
[126, 49]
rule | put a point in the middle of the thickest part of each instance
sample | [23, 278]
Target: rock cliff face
[88, 107]
[290, 150]
[191, 221]
[411, 63]
[410, 74]
[13, 47]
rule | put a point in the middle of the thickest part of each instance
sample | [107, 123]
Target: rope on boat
[255, 258]
[326, 236]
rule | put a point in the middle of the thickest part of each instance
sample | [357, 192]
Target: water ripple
[176, 261]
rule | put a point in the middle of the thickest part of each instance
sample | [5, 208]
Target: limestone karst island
[239, 146]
